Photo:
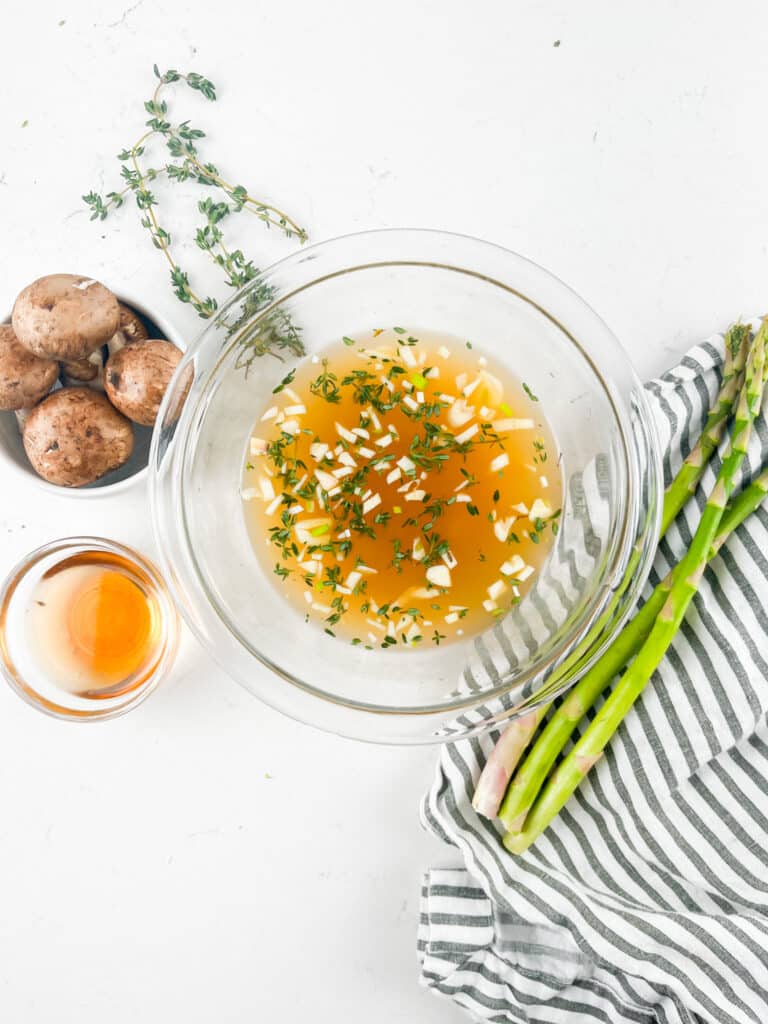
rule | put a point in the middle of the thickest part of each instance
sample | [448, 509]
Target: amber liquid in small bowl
[86, 628]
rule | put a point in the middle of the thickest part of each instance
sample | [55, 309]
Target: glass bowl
[524, 318]
[30, 676]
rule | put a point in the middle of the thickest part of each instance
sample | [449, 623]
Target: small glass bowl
[27, 675]
[526, 320]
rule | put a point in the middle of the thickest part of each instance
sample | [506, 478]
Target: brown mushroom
[137, 376]
[83, 371]
[65, 316]
[24, 378]
[75, 436]
[130, 329]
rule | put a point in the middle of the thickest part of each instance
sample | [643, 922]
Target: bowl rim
[621, 545]
[119, 486]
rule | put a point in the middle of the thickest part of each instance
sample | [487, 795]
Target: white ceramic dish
[13, 456]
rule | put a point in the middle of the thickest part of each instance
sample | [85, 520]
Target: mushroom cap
[83, 369]
[136, 378]
[24, 377]
[131, 326]
[65, 316]
[75, 436]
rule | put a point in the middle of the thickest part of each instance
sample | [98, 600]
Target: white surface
[149, 868]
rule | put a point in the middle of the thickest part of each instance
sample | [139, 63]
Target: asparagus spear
[684, 585]
[498, 769]
[533, 771]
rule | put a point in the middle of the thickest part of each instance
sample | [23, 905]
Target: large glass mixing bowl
[525, 319]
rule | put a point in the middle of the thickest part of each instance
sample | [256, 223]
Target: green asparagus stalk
[504, 758]
[531, 774]
[685, 583]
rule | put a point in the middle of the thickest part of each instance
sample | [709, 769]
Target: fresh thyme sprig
[186, 164]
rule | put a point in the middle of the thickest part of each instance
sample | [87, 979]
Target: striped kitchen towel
[647, 899]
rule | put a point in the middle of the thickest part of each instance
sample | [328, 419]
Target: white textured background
[203, 859]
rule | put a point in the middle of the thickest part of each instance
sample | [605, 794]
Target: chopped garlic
[508, 424]
[465, 435]
[373, 502]
[326, 480]
[502, 527]
[460, 413]
[513, 566]
[539, 510]
[439, 576]
[450, 559]
[346, 434]
[499, 462]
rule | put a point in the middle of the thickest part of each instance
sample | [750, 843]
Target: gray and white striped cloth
[647, 899]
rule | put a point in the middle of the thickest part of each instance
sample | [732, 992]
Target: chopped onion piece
[522, 508]
[353, 578]
[365, 452]
[290, 393]
[405, 464]
[419, 551]
[346, 459]
[290, 427]
[415, 495]
[270, 413]
[407, 356]
[308, 596]
[250, 493]
[267, 488]
[526, 573]
[318, 606]
[451, 617]
[384, 441]
[463, 498]
[258, 446]
[304, 528]
[444, 352]
[496, 589]
[490, 606]
[499, 462]
[450, 559]
[543, 481]
[311, 566]
[342, 472]
[461, 380]
[467, 391]
[411, 403]
[295, 410]
[374, 419]
[447, 399]
[420, 397]
[502, 527]
[361, 432]
[366, 568]
[433, 373]
[393, 474]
